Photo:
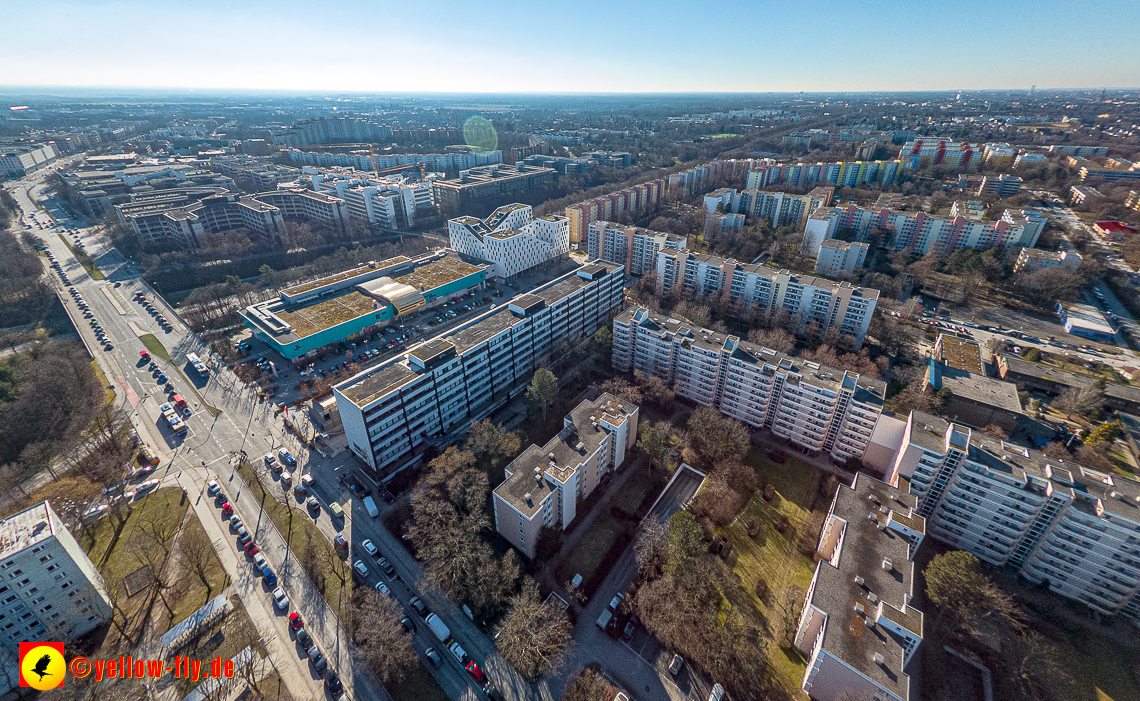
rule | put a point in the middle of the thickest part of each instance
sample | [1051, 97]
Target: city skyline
[913, 47]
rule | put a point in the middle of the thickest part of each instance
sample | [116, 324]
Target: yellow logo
[42, 666]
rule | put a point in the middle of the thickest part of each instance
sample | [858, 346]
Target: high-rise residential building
[821, 409]
[49, 588]
[840, 258]
[635, 202]
[630, 246]
[941, 152]
[1085, 151]
[1027, 158]
[432, 162]
[391, 204]
[1030, 260]
[544, 486]
[394, 411]
[484, 188]
[858, 628]
[768, 291]
[998, 155]
[511, 239]
[996, 187]
[1108, 175]
[1057, 523]
[325, 130]
[839, 174]
[922, 233]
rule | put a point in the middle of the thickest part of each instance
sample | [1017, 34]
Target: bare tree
[157, 526]
[534, 637]
[379, 636]
[198, 554]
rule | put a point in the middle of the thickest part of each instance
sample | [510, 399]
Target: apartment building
[544, 486]
[818, 408]
[1028, 158]
[460, 159]
[1058, 523]
[324, 130]
[998, 155]
[941, 152]
[1084, 151]
[840, 258]
[1030, 260]
[511, 239]
[393, 411]
[630, 246]
[49, 588]
[1108, 175]
[391, 204]
[635, 202]
[18, 163]
[837, 174]
[858, 628]
[995, 187]
[1082, 194]
[485, 187]
[767, 290]
[923, 233]
[718, 224]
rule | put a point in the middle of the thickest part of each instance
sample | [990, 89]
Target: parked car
[280, 598]
[369, 547]
[432, 655]
[295, 620]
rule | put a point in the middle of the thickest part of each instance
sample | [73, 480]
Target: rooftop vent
[872, 517]
[887, 564]
[859, 609]
[528, 501]
[879, 659]
[860, 581]
[873, 597]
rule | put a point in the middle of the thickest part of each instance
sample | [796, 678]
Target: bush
[726, 549]
[769, 492]
[754, 529]
[782, 524]
[761, 588]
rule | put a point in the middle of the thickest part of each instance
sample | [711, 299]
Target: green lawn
[113, 555]
[155, 346]
[774, 556]
[721, 136]
[197, 594]
[419, 685]
[293, 524]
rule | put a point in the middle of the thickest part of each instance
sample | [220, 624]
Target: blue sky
[587, 46]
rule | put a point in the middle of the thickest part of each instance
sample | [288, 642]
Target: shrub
[782, 524]
[761, 588]
[769, 492]
[754, 529]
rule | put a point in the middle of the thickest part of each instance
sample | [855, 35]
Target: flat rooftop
[1087, 316]
[961, 354]
[439, 273]
[981, 389]
[24, 530]
[342, 276]
[314, 318]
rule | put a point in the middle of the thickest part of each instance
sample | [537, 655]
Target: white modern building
[805, 298]
[544, 486]
[20, 162]
[1056, 522]
[631, 246]
[858, 628]
[821, 409]
[840, 258]
[389, 203]
[1030, 260]
[49, 588]
[394, 411]
[511, 239]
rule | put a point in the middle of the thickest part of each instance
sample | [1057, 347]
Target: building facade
[840, 258]
[630, 246]
[818, 408]
[544, 486]
[19, 163]
[768, 291]
[49, 588]
[393, 411]
[484, 188]
[1030, 260]
[858, 628]
[1070, 528]
[511, 239]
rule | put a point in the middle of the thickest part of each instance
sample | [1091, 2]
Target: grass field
[295, 526]
[721, 136]
[774, 556]
[195, 594]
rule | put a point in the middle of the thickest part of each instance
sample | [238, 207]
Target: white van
[370, 505]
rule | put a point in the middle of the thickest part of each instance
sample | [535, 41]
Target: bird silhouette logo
[42, 665]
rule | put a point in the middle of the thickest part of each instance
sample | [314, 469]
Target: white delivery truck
[370, 504]
[438, 627]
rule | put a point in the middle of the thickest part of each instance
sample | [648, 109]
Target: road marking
[131, 396]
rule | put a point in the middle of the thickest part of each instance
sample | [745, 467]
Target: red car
[295, 621]
[475, 672]
[251, 549]
[227, 509]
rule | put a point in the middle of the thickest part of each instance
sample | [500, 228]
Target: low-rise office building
[630, 246]
[307, 318]
[820, 409]
[393, 411]
[1086, 321]
[1030, 260]
[769, 291]
[1057, 523]
[858, 628]
[484, 188]
[511, 239]
[544, 486]
[49, 588]
[840, 258]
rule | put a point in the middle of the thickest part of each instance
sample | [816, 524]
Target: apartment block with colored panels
[630, 246]
[545, 486]
[837, 174]
[393, 412]
[767, 290]
[858, 627]
[1056, 522]
[954, 155]
[820, 409]
[306, 318]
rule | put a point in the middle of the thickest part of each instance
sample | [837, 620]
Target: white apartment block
[631, 246]
[544, 486]
[780, 208]
[820, 409]
[858, 628]
[1030, 260]
[768, 290]
[922, 233]
[840, 258]
[49, 588]
[1057, 523]
[393, 411]
[27, 160]
[391, 204]
[511, 239]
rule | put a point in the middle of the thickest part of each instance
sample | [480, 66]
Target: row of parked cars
[277, 592]
[100, 334]
[154, 311]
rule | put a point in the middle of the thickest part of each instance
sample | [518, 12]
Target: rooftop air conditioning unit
[887, 564]
[879, 659]
[859, 609]
[860, 581]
